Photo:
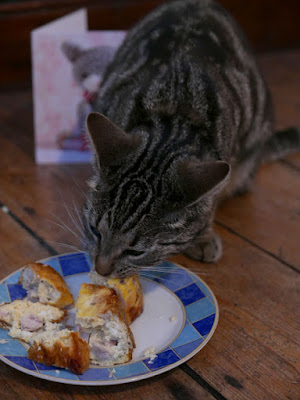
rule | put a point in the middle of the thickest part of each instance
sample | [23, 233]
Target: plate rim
[134, 378]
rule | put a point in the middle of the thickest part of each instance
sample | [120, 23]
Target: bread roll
[24, 318]
[129, 289]
[61, 348]
[45, 285]
[100, 320]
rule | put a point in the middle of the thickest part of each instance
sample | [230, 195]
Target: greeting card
[68, 63]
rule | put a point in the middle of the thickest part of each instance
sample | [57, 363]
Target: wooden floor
[254, 353]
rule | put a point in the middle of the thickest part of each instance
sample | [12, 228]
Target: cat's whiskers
[152, 276]
[64, 226]
[82, 192]
[65, 245]
[163, 277]
[77, 219]
[71, 216]
[172, 271]
[176, 272]
[150, 264]
[77, 213]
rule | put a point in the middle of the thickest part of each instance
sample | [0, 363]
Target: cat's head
[141, 209]
[88, 65]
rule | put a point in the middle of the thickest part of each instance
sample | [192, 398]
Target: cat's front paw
[208, 250]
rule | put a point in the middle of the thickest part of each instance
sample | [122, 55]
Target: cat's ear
[198, 179]
[110, 143]
[71, 50]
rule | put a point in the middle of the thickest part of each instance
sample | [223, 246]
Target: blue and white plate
[180, 316]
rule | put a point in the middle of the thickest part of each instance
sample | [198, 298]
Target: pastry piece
[62, 348]
[129, 290]
[100, 320]
[45, 285]
[38, 324]
[24, 318]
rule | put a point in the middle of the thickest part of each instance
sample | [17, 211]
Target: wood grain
[43, 196]
[283, 77]
[256, 343]
[174, 385]
[17, 247]
[269, 215]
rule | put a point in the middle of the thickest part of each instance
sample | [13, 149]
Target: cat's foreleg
[207, 249]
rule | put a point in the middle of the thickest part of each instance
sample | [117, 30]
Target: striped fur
[186, 82]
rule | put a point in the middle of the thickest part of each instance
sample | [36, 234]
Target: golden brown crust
[46, 273]
[95, 300]
[133, 343]
[129, 355]
[62, 317]
[4, 325]
[69, 352]
[131, 292]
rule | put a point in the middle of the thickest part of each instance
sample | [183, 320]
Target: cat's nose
[104, 265]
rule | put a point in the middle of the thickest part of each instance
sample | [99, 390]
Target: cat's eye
[95, 232]
[132, 252]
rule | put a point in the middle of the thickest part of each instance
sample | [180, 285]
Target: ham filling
[31, 323]
[108, 343]
[101, 348]
[38, 290]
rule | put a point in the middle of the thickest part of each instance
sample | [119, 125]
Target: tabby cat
[183, 119]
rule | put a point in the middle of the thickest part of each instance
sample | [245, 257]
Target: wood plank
[17, 247]
[269, 215]
[282, 73]
[254, 353]
[15, 385]
[40, 195]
